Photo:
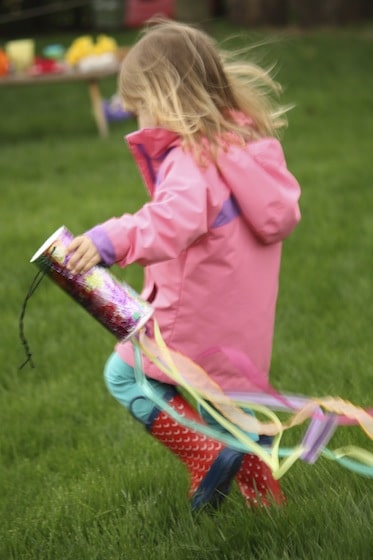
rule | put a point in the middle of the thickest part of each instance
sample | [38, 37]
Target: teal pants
[121, 383]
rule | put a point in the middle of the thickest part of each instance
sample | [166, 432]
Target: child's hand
[85, 255]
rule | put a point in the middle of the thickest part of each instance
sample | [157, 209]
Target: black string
[34, 285]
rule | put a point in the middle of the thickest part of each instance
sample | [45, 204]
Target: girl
[221, 202]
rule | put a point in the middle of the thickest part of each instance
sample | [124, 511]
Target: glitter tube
[112, 303]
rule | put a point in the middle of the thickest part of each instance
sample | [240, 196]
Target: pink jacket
[210, 241]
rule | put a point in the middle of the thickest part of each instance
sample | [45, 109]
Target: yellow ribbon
[229, 414]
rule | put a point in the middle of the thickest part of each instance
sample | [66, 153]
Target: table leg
[98, 112]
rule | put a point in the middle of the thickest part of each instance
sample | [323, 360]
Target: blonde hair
[188, 85]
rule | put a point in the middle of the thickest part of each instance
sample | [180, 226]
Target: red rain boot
[257, 485]
[212, 467]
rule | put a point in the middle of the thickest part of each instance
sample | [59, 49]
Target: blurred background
[19, 17]
[79, 479]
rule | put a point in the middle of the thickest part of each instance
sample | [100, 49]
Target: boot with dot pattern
[257, 485]
[212, 467]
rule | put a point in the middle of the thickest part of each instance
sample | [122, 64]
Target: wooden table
[92, 78]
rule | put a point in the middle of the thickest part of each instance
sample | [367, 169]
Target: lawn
[79, 478]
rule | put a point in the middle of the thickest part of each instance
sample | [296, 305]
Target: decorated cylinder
[114, 304]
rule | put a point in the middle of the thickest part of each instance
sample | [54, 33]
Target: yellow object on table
[21, 53]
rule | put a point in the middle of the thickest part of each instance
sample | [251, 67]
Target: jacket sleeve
[164, 227]
[266, 192]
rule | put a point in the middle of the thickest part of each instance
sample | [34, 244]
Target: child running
[221, 201]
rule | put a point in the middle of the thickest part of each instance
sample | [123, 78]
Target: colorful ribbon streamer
[324, 414]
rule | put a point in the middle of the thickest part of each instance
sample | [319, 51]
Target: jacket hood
[263, 191]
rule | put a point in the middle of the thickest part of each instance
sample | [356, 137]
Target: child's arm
[159, 231]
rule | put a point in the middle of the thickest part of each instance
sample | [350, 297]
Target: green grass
[79, 479]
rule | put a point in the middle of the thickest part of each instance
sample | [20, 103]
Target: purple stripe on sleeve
[229, 211]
